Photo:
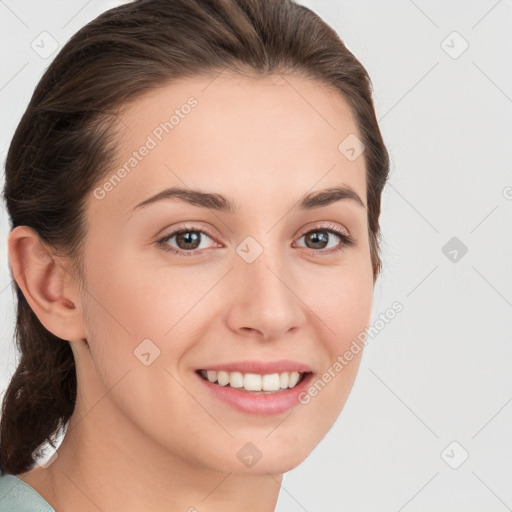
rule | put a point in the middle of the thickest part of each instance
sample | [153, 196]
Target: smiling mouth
[253, 382]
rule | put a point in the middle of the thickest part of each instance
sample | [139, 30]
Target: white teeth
[270, 382]
[236, 380]
[223, 378]
[294, 378]
[253, 381]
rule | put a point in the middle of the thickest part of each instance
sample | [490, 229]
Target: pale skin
[149, 437]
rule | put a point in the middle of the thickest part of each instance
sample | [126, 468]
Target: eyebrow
[220, 203]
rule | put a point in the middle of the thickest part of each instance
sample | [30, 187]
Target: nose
[266, 298]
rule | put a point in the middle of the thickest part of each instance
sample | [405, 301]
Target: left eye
[318, 236]
[312, 236]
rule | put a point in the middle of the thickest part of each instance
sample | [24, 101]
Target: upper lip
[261, 367]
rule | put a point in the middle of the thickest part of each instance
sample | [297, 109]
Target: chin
[262, 458]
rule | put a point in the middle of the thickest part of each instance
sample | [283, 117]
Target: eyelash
[346, 240]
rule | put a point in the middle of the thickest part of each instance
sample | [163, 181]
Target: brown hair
[65, 142]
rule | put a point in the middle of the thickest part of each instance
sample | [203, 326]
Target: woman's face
[260, 281]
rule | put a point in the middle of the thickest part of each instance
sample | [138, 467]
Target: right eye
[189, 238]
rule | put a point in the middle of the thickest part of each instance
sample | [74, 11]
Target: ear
[49, 288]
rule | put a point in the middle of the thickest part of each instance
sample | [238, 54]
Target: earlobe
[46, 284]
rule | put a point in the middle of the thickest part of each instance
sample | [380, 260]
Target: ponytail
[41, 395]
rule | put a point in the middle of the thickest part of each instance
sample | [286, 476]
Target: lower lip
[255, 403]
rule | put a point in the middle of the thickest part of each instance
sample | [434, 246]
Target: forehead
[248, 137]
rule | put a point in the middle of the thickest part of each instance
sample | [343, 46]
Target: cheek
[142, 321]
[131, 302]
[344, 308]
[343, 301]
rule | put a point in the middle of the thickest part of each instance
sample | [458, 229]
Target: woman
[194, 193]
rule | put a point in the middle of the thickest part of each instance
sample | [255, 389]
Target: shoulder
[17, 496]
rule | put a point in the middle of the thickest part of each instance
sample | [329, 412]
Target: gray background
[440, 372]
